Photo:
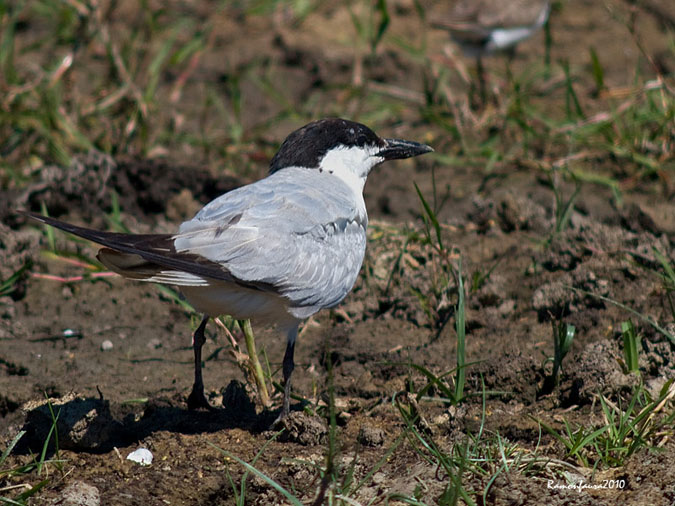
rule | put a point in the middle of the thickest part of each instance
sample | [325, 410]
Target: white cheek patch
[351, 164]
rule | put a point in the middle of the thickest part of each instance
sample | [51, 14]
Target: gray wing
[296, 235]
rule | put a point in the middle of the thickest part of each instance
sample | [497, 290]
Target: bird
[275, 251]
[485, 27]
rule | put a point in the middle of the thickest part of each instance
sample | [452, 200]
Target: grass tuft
[644, 422]
[563, 336]
[38, 467]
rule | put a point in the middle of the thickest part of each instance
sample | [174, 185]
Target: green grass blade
[639, 315]
[379, 463]
[49, 231]
[563, 335]
[7, 39]
[460, 328]
[598, 72]
[175, 296]
[292, 499]
[242, 491]
[574, 110]
[665, 263]
[8, 285]
[11, 446]
[585, 176]
[431, 215]
[114, 219]
[33, 490]
[382, 25]
[256, 367]
[156, 65]
[12, 502]
[434, 380]
[630, 345]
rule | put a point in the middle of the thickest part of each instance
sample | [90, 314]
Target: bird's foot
[197, 400]
[279, 422]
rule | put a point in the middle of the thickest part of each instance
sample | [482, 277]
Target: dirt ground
[130, 392]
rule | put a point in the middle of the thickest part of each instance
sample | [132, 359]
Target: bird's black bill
[398, 148]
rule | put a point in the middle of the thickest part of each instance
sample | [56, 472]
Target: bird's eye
[361, 140]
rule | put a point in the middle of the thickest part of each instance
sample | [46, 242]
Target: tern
[487, 26]
[275, 251]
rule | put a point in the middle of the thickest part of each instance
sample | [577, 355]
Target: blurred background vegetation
[221, 83]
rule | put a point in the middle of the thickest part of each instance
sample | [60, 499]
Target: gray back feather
[301, 233]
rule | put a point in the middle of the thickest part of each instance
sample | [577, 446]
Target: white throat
[351, 164]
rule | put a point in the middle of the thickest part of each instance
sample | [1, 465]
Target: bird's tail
[148, 257]
[124, 253]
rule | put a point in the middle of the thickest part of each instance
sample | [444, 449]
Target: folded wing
[300, 240]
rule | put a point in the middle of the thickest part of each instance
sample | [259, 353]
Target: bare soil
[133, 395]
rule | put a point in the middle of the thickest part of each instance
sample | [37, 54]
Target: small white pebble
[141, 456]
[106, 345]
[379, 478]
[154, 343]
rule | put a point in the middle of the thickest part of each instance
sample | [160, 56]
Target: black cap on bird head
[307, 146]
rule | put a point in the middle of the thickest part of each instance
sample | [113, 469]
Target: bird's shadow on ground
[95, 426]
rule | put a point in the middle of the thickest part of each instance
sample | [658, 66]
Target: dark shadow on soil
[94, 426]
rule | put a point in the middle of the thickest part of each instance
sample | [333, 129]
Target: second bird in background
[483, 27]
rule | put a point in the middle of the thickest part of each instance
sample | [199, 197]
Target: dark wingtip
[43, 219]
[33, 216]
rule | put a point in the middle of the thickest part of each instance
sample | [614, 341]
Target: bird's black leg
[288, 370]
[288, 367]
[197, 399]
[481, 81]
